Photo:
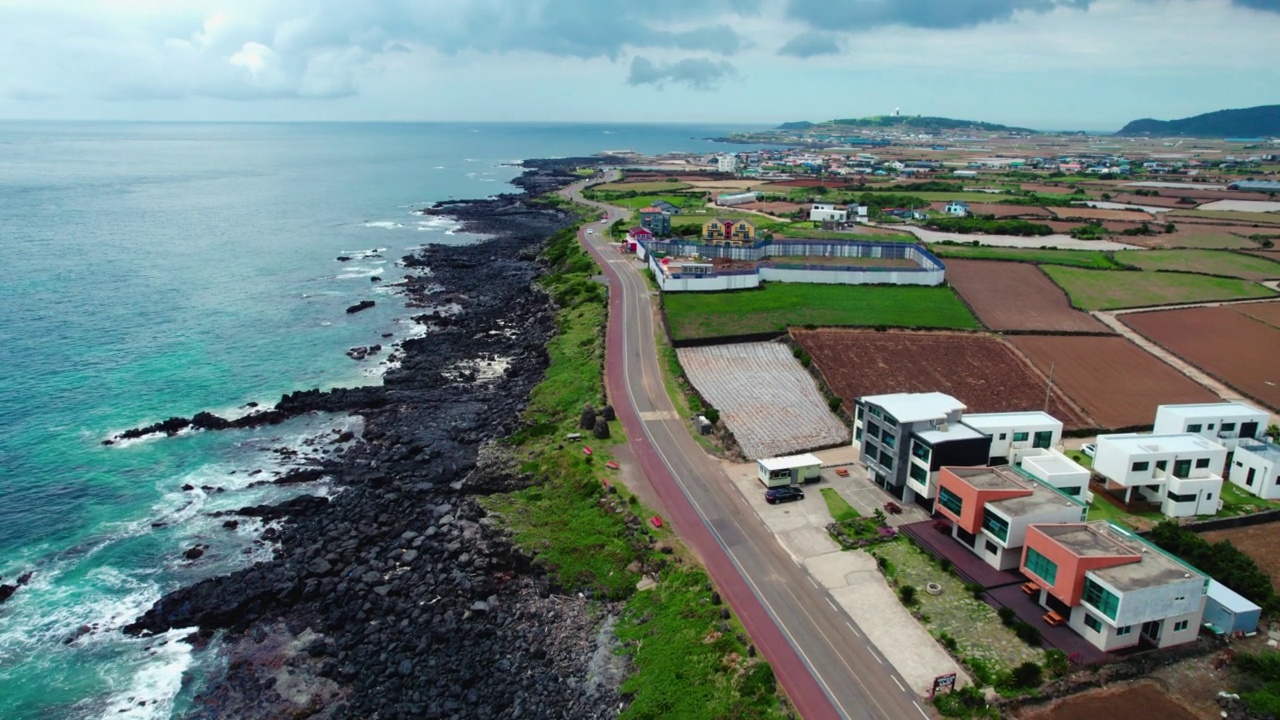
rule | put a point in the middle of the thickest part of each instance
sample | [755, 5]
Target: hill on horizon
[1263, 120]
[917, 122]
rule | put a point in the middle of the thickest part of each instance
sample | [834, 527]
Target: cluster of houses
[1012, 498]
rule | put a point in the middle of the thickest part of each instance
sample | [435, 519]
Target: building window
[857, 434]
[1122, 631]
[1101, 598]
[1228, 427]
[1004, 436]
[1092, 623]
[860, 412]
[1202, 463]
[875, 411]
[1175, 497]
[1194, 428]
[992, 548]
[1142, 466]
[1041, 566]
[1162, 465]
[1181, 625]
[889, 440]
[873, 430]
[886, 459]
[1070, 490]
[1210, 426]
[1020, 437]
[1181, 468]
[950, 500]
[1043, 439]
[994, 524]
[919, 474]
[921, 451]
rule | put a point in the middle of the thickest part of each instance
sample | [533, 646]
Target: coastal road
[819, 656]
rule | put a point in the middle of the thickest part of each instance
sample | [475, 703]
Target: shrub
[908, 594]
[1027, 675]
[1056, 662]
[944, 565]
[967, 702]
[975, 589]
[712, 415]
[1007, 615]
[1221, 561]
[834, 403]
[1027, 633]
[947, 641]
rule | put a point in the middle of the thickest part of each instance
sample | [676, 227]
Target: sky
[1045, 64]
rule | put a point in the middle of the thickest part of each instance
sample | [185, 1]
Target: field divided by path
[982, 371]
[1237, 344]
[1112, 379]
[765, 396]
[1017, 296]
[777, 306]
[1211, 262]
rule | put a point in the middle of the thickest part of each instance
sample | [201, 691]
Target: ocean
[160, 269]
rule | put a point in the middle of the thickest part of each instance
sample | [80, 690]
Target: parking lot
[851, 577]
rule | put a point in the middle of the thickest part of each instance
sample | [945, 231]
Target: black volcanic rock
[362, 305]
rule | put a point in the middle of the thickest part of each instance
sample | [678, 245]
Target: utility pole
[1049, 387]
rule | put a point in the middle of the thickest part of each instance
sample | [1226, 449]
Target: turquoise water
[160, 269]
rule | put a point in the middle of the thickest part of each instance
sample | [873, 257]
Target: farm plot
[1017, 296]
[1133, 700]
[765, 396]
[1258, 542]
[1076, 258]
[777, 306]
[657, 186]
[982, 371]
[1199, 235]
[1116, 382]
[1108, 290]
[1212, 262]
[1088, 213]
[1226, 342]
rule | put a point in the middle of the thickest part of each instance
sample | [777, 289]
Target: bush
[947, 641]
[908, 594]
[834, 403]
[1007, 615]
[975, 589]
[1027, 675]
[967, 702]
[712, 415]
[988, 226]
[1027, 633]
[1057, 663]
[944, 565]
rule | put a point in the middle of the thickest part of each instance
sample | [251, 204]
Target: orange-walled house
[1112, 587]
[990, 509]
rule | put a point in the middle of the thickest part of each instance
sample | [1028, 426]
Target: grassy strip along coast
[689, 658]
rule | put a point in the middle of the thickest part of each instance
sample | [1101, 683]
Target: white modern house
[828, 212]
[956, 208]
[1012, 433]
[1181, 472]
[1255, 466]
[990, 509]
[1055, 469]
[727, 163]
[1111, 587]
[1226, 423]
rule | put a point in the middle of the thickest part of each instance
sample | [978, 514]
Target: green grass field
[778, 306]
[684, 202]
[1094, 259]
[1211, 240]
[805, 230]
[643, 187]
[1247, 217]
[1108, 290]
[1212, 262]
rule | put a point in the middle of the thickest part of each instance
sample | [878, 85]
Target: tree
[1027, 675]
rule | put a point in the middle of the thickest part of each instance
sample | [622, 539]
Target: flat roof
[955, 431]
[789, 462]
[1009, 419]
[1230, 599]
[1100, 539]
[1054, 463]
[1041, 497]
[1267, 450]
[1218, 408]
[915, 407]
[1169, 442]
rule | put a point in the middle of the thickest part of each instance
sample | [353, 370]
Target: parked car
[1089, 449]
[783, 494]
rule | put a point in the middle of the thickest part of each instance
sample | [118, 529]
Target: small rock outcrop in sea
[7, 591]
[398, 597]
[362, 305]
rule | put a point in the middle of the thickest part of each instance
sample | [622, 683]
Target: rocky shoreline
[397, 597]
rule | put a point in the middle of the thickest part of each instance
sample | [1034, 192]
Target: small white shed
[789, 470]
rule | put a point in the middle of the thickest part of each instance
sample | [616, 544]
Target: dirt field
[1000, 211]
[1140, 700]
[765, 396]
[1016, 296]
[1198, 235]
[1088, 213]
[1258, 542]
[1231, 343]
[982, 371]
[773, 208]
[1116, 382]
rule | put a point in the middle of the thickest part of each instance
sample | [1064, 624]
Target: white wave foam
[155, 685]
[358, 272]
[383, 224]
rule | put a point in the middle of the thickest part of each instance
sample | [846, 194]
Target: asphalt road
[819, 656]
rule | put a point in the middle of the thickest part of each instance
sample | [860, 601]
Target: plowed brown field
[982, 371]
[1236, 344]
[1016, 296]
[1115, 381]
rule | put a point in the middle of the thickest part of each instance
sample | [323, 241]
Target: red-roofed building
[635, 236]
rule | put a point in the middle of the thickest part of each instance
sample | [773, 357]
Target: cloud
[697, 73]
[857, 15]
[811, 44]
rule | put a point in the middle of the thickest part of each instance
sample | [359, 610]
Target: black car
[783, 494]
